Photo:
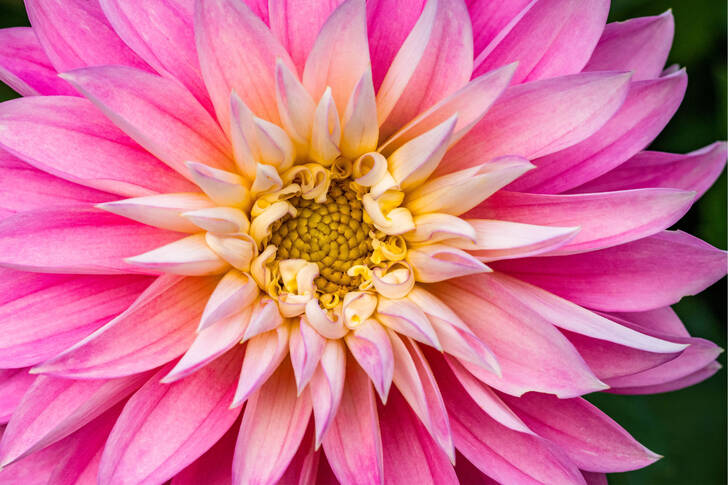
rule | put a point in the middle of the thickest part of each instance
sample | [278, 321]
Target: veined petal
[76, 240]
[45, 314]
[212, 468]
[53, 408]
[683, 264]
[295, 106]
[163, 211]
[24, 65]
[235, 292]
[414, 379]
[163, 36]
[541, 117]
[273, 426]
[327, 386]
[190, 256]
[306, 348]
[158, 113]
[14, 383]
[604, 219]
[158, 327]
[439, 262]
[340, 55]
[325, 131]
[640, 45]
[470, 103]
[360, 130]
[673, 384]
[648, 107]
[372, 349]
[491, 18]
[263, 355]
[304, 467]
[458, 192]
[434, 61]
[355, 422]
[221, 220]
[184, 419]
[209, 344]
[405, 317]
[265, 317]
[695, 171]
[220, 24]
[76, 33]
[435, 227]
[410, 454]
[82, 146]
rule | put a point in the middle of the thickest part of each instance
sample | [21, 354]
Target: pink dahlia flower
[309, 242]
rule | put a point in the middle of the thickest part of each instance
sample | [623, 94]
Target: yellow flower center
[331, 234]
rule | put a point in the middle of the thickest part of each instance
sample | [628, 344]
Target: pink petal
[468, 473]
[163, 36]
[14, 383]
[235, 292]
[304, 467]
[541, 117]
[273, 426]
[388, 24]
[54, 408]
[506, 455]
[296, 25]
[435, 60]
[183, 420]
[339, 57]
[159, 326]
[593, 478]
[158, 113]
[263, 354]
[491, 18]
[42, 315]
[355, 422]
[189, 256]
[605, 219]
[640, 45]
[75, 33]
[25, 67]
[414, 379]
[209, 344]
[589, 437]
[646, 110]
[26, 188]
[163, 210]
[212, 468]
[220, 24]
[695, 171]
[642, 275]
[75, 240]
[371, 347]
[470, 103]
[406, 318]
[663, 320]
[410, 454]
[673, 385]
[549, 38]
[265, 317]
[82, 146]
[306, 346]
[553, 365]
[327, 386]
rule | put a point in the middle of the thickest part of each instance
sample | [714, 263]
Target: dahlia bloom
[316, 242]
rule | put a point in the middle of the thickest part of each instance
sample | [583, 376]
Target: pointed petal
[673, 385]
[355, 422]
[75, 240]
[82, 146]
[157, 113]
[360, 130]
[646, 110]
[265, 317]
[327, 386]
[640, 45]
[306, 348]
[623, 278]
[491, 18]
[410, 454]
[695, 171]
[24, 65]
[371, 347]
[42, 315]
[76, 33]
[295, 106]
[53, 408]
[183, 420]
[190, 256]
[14, 383]
[273, 426]
[159, 326]
[163, 36]
[439, 262]
[163, 211]
[212, 468]
[541, 117]
[235, 292]
[223, 23]
[405, 317]
[263, 354]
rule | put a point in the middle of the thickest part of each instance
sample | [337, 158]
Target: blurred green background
[688, 427]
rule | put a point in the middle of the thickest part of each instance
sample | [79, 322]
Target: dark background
[688, 427]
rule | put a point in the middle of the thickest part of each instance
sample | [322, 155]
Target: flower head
[275, 241]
